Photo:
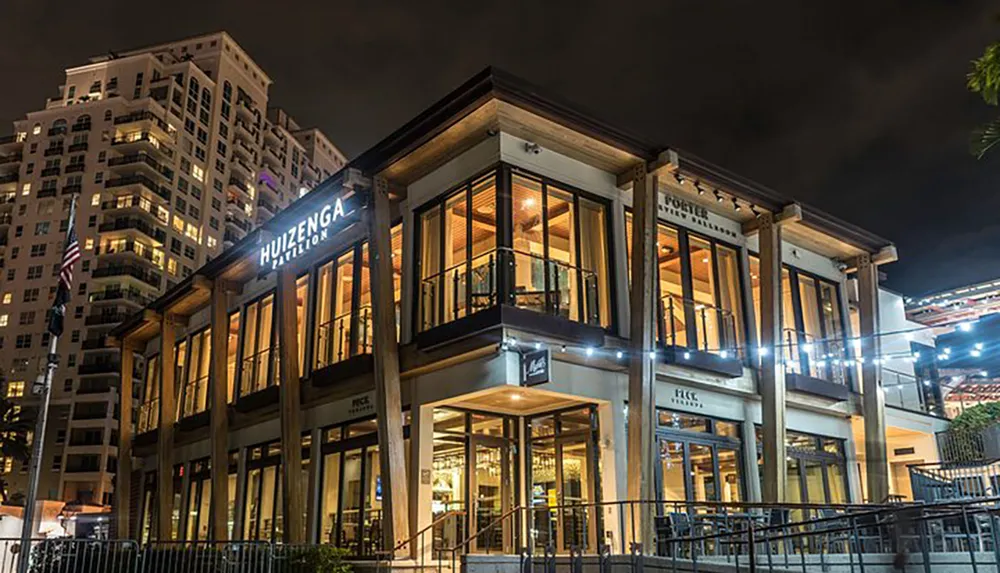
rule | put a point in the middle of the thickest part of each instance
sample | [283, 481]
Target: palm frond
[984, 77]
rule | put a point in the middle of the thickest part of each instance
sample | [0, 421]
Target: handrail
[416, 535]
[488, 527]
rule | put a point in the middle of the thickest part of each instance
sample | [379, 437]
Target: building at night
[449, 324]
[174, 154]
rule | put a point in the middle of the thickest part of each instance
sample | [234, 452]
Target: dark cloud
[856, 107]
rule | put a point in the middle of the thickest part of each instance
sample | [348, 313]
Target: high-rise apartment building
[174, 155]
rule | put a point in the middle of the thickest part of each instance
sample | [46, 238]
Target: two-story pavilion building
[466, 318]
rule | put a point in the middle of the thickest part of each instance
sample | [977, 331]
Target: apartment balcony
[44, 193]
[54, 131]
[9, 178]
[245, 130]
[238, 222]
[143, 141]
[131, 252]
[141, 182]
[10, 159]
[71, 189]
[244, 150]
[245, 110]
[104, 366]
[120, 295]
[240, 166]
[145, 276]
[7, 198]
[267, 207]
[76, 168]
[128, 224]
[272, 137]
[268, 188]
[12, 142]
[50, 172]
[77, 127]
[240, 184]
[97, 343]
[272, 158]
[144, 120]
[53, 150]
[77, 147]
[132, 205]
[140, 162]
[6, 219]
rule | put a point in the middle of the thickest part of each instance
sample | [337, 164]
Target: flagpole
[35, 464]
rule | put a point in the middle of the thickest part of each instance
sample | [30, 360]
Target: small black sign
[535, 367]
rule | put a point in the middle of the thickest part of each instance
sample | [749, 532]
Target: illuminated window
[95, 200]
[211, 242]
[178, 224]
[198, 173]
[36, 129]
[15, 389]
[89, 244]
[7, 297]
[3, 319]
[192, 232]
[26, 189]
[257, 341]
[8, 465]
[172, 266]
[248, 209]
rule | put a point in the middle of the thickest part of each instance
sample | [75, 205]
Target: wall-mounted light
[701, 188]
[718, 196]
[736, 206]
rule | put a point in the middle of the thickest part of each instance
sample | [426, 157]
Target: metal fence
[114, 556]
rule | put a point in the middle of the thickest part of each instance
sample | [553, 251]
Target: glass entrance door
[563, 478]
[491, 489]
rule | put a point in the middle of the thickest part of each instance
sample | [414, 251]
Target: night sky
[858, 108]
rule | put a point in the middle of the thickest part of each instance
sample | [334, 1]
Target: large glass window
[816, 468]
[458, 259]
[263, 506]
[195, 394]
[149, 412]
[232, 353]
[555, 270]
[351, 500]
[334, 303]
[258, 339]
[180, 362]
[301, 308]
[557, 261]
[699, 459]
[699, 291]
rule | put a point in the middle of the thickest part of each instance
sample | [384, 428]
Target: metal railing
[715, 328]
[936, 481]
[195, 397]
[536, 283]
[254, 371]
[821, 359]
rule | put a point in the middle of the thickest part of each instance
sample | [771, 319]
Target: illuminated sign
[297, 240]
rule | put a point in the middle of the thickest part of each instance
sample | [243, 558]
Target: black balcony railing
[545, 285]
[53, 150]
[11, 158]
[84, 126]
[50, 172]
[821, 359]
[101, 319]
[10, 178]
[70, 189]
[239, 184]
[124, 223]
[11, 138]
[47, 193]
[144, 115]
[142, 157]
[131, 247]
[120, 295]
[103, 367]
[238, 222]
[138, 179]
[696, 325]
[76, 167]
[54, 131]
[94, 343]
[78, 147]
[146, 276]
[6, 219]
[267, 205]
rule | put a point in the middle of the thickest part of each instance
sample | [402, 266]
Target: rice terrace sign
[296, 241]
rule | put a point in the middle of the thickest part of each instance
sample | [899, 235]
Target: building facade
[172, 154]
[450, 324]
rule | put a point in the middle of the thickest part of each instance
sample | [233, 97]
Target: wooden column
[772, 378]
[388, 401]
[873, 399]
[165, 443]
[291, 410]
[218, 384]
[642, 369]
[123, 479]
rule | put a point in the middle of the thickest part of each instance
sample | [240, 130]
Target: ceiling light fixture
[718, 196]
[736, 206]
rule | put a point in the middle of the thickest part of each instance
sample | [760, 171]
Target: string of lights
[835, 357]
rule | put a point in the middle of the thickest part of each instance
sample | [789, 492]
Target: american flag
[70, 256]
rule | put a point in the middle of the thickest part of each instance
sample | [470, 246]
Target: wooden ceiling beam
[792, 213]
